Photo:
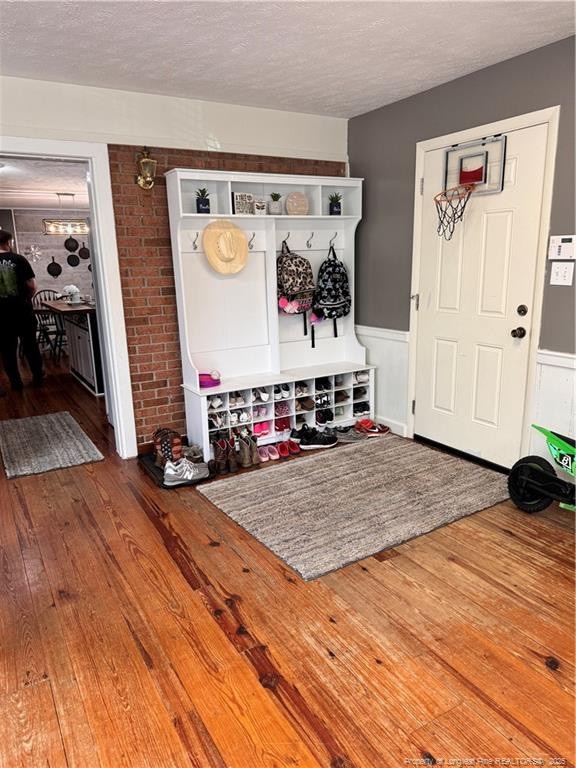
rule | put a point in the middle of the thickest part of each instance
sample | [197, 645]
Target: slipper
[263, 453]
[273, 453]
[283, 450]
[293, 447]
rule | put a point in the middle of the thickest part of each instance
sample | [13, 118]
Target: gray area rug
[40, 443]
[323, 511]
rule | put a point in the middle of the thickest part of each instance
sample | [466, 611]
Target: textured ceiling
[329, 58]
[35, 184]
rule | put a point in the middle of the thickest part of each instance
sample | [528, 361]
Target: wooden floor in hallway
[141, 627]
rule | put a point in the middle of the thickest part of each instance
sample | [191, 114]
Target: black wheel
[526, 498]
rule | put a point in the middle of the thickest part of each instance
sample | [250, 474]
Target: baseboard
[397, 427]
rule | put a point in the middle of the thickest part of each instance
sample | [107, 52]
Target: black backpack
[294, 283]
[332, 297]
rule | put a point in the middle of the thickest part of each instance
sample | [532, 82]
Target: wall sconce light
[147, 170]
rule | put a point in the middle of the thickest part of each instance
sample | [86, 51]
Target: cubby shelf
[231, 323]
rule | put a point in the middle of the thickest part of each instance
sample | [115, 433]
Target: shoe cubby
[240, 399]
[342, 381]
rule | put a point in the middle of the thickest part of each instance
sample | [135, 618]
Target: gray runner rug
[40, 443]
[323, 511]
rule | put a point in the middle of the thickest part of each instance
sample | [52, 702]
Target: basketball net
[450, 206]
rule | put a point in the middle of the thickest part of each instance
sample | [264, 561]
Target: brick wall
[147, 276]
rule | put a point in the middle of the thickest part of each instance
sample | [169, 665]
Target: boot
[220, 456]
[231, 455]
[245, 452]
[254, 455]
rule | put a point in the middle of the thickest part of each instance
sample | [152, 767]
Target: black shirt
[15, 271]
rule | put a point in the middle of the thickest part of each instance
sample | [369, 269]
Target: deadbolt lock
[522, 310]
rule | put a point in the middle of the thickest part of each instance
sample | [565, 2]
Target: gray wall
[382, 149]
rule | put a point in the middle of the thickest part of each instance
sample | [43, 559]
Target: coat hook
[309, 241]
[194, 246]
[286, 238]
[332, 239]
[251, 241]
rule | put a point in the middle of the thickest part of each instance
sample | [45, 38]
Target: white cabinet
[84, 350]
[231, 323]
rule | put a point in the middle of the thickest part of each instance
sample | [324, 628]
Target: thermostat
[561, 247]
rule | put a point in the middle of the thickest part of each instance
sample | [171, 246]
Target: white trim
[550, 116]
[383, 333]
[398, 427]
[557, 359]
[111, 314]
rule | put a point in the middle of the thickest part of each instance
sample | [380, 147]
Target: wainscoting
[388, 350]
[554, 401]
[554, 397]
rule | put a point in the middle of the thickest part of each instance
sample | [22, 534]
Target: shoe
[263, 453]
[244, 417]
[244, 452]
[231, 455]
[282, 409]
[184, 471]
[368, 427]
[293, 447]
[273, 453]
[215, 422]
[322, 400]
[277, 393]
[220, 456]
[17, 386]
[283, 450]
[233, 418]
[315, 439]
[349, 435]
[257, 429]
[360, 392]
[338, 381]
[214, 402]
[341, 396]
[285, 389]
[361, 377]
[306, 404]
[264, 396]
[232, 399]
[338, 412]
[361, 409]
[300, 388]
[323, 385]
[282, 425]
[297, 434]
[264, 428]
[193, 453]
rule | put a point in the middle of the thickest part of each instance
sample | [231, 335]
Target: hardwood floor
[142, 627]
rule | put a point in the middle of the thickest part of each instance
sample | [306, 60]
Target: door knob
[518, 333]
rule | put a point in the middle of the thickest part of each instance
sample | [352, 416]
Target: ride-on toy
[533, 483]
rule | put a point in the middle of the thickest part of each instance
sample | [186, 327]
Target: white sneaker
[183, 471]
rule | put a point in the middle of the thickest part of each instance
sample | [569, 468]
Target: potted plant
[202, 200]
[275, 206]
[335, 205]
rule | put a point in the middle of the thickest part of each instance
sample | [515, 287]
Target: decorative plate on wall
[297, 204]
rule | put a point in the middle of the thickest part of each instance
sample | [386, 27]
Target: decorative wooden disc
[297, 204]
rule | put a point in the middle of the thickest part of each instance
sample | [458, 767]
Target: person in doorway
[17, 320]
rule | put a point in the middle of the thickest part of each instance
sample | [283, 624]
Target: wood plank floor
[142, 627]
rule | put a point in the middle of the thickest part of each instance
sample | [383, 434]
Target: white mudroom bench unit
[232, 324]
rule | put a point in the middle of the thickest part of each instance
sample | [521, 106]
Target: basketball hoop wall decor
[478, 162]
[450, 206]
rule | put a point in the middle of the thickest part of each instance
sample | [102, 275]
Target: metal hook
[332, 239]
[251, 241]
[286, 238]
[309, 241]
[194, 246]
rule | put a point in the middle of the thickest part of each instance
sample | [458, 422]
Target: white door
[471, 373]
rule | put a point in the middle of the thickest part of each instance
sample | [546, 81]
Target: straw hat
[225, 246]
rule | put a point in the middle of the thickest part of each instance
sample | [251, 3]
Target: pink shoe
[257, 430]
[264, 428]
[273, 453]
[263, 453]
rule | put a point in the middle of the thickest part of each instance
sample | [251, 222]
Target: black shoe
[315, 439]
[17, 386]
[298, 434]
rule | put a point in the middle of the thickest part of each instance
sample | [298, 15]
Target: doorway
[105, 273]
[476, 320]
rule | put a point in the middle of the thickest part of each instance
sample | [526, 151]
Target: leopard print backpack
[295, 283]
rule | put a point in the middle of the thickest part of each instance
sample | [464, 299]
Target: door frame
[111, 316]
[551, 117]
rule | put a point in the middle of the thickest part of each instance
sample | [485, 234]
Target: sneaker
[323, 385]
[300, 388]
[349, 435]
[361, 377]
[184, 471]
[313, 440]
[297, 434]
[339, 381]
[277, 393]
[285, 389]
[361, 409]
[324, 416]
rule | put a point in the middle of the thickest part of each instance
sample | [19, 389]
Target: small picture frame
[260, 207]
[243, 203]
